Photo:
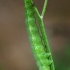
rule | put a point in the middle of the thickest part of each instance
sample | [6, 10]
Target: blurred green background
[15, 51]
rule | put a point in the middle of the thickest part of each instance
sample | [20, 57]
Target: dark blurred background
[15, 51]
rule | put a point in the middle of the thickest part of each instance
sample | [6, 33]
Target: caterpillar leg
[48, 54]
[47, 62]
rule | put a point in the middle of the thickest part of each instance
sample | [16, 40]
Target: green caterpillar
[41, 56]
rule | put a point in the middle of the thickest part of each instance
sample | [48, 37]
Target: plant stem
[44, 8]
[44, 36]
